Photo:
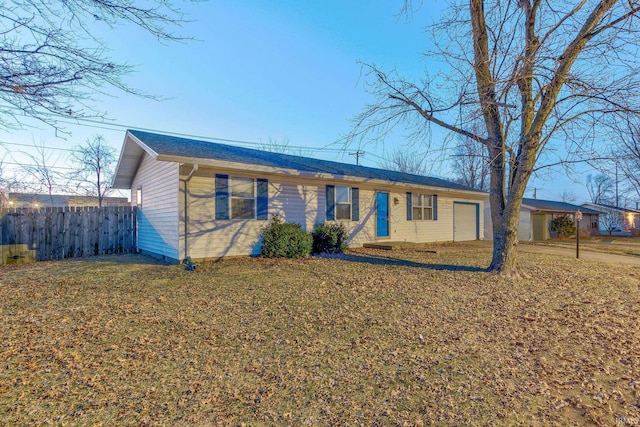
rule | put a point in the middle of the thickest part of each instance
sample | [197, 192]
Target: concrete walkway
[584, 254]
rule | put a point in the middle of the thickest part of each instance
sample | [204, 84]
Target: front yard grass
[604, 244]
[372, 338]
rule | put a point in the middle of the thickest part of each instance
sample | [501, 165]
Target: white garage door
[465, 221]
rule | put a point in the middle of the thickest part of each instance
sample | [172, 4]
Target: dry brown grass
[374, 338]
[604, 244]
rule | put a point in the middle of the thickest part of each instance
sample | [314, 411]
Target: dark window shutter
[331, 203]
[435, 207]
[355, 204]
[409, 207]
[222, 196]
[262, 205]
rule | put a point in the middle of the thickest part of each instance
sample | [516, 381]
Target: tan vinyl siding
[301, 201]
[210, 238]
[364, 230]
[440, 230]
[158, 217]
[524, 226]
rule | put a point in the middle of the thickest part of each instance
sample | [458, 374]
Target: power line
[121, 126]
[25, 165]
[18, 144]
[114, 126]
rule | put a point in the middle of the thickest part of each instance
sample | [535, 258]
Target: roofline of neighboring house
[611, 207]
[555, 210]
[223, 164]
[591, 212]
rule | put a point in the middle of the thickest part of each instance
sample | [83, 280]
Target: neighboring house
[208, 200]
[616, 219]
[34, 200]
[536, 216]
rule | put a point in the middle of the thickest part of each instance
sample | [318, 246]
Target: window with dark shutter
[422, 207]
[241, 198]
[343, 203]
[330, 202]
[355, 204]
[262, 208]
[435, 207]
[222, 196]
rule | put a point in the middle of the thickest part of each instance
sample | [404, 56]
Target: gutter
[194, 169]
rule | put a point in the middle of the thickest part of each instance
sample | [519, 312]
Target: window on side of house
[241, 198]
[139, 197]
[422, 207]
[343, 202]
[242, 193]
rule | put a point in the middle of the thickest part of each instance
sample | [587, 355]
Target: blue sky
[285, 70]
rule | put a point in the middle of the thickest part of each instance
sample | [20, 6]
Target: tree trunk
[505, 209]
[505, 239]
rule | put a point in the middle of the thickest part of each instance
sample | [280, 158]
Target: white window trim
[231, 197]
[422, 207]
[336, 203]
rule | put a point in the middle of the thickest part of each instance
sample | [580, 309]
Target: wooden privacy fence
[59, 233]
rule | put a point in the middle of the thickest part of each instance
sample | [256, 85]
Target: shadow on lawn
[121, 259]
[382, 260]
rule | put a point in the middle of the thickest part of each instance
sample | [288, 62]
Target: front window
[243, 198]
[343, 202]
[422, 206]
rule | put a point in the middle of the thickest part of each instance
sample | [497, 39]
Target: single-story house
[616, 219]
[207, 200]
[37, 200]
[536, 216]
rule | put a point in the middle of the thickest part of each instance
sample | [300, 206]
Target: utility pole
[535, 192]
[357, 155]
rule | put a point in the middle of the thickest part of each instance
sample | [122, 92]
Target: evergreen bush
[329, 238]
[282, 240]
[563, 226]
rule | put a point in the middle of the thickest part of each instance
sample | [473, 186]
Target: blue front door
[382, 214]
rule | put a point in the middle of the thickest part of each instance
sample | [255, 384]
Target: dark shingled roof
[548, 205]
[184, 147]
[618, 208]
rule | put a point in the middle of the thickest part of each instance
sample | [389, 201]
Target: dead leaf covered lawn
[372, 338]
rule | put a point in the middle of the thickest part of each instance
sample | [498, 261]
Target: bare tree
[542, 76]
[568, 196]
[406, 162]
[41, 175]
[7, 185]
[51, 61]
[611, 221]
[284, 147]
[600, 188]
[471, 164]
[628, 157]
[95, 162]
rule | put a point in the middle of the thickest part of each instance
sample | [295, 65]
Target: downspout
[194, 168]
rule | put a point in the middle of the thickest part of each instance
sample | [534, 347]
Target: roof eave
[311, 175]
[129, 161]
